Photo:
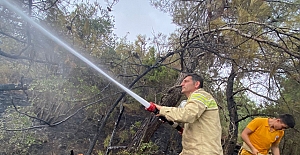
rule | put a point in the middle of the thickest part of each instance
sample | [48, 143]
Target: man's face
[188, 86]
[279, 125]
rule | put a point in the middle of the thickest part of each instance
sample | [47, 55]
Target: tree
[242, 36]
[58, 81]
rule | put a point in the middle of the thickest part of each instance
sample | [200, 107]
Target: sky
[134, 17]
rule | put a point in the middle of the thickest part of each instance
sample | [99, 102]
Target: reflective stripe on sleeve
[209, 102]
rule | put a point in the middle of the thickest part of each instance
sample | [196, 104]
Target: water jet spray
[149, 106]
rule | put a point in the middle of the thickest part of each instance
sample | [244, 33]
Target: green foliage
[55, 96]
[106, 141]
[11, 72]
[18, 141]
[92, 29]
[252, 10]
[144, 149]
[160, 74]
[151, 57]
[291, 91]
[159, 79]
[124, 152]
[138, 124]
[124, 136]
[99, 152]
[147, 148]
[134, 127]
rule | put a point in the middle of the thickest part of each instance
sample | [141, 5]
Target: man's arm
[245, 136]
[188, 114]
[275, 149]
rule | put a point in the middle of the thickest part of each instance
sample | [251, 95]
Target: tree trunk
[232, 109]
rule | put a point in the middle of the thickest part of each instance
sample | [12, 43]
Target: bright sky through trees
[134, 17]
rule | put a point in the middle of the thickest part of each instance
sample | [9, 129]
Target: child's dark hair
[195, 78]
[287, 119]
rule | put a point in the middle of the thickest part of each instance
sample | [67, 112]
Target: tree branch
[25, 58]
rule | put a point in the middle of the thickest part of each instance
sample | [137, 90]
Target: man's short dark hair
[195, 78]
[287, 119]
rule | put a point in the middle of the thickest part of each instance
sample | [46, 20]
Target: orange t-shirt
[262, 137]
